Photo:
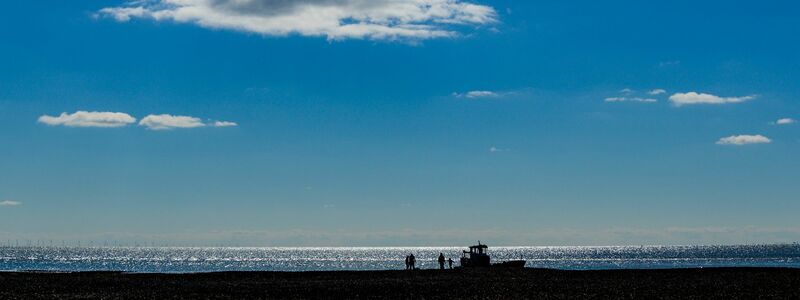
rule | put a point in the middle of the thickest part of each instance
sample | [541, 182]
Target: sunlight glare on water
[211, 259]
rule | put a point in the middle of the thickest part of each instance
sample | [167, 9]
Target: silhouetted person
[413, 261]
[408, 262]
[441, 261]
[450, 262]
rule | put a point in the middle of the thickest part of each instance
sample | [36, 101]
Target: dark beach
[720, 283]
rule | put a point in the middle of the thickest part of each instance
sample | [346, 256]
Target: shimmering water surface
[202, 259]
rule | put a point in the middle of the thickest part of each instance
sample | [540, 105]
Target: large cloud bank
[333, 19]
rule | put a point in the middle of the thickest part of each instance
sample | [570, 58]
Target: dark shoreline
[720, 283]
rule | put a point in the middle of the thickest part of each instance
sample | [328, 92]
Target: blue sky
[390, 123]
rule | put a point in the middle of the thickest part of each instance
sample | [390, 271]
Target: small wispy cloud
[626, 91]
[785, 121]
[494, 149]
[166, 122]
[630, 99]
[739, 140]
[224, 124]
[10, 203]
[478, 94]
[629, 95]
[89, 119]
[656, 92]
[691, 98]
[482, 94]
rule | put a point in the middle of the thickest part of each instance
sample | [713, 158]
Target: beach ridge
[727, 283]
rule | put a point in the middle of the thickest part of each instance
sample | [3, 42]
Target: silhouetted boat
[478, 257]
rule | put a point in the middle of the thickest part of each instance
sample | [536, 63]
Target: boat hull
[510, 264]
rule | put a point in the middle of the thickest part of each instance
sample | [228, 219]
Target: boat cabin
[477, 256]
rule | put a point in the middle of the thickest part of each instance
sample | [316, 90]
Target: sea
[215, 259]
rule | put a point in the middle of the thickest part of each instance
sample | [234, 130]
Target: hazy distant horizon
[417, 238]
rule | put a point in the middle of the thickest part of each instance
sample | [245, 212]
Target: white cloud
[117, 119]
[494, 149]
[626, 91]
[478, 94]
[10, 203]
[165, 121]
[657, 91]
[124, 14]
[690, 98]
[481, 94]
[630, 99]
[785, 121]
[739, 140]
[89, 119]
[224, 124]
[333, 19]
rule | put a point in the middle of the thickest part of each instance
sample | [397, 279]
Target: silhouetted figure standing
[413, 261]
[441, 261]
[450, 262]
[408, 262]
